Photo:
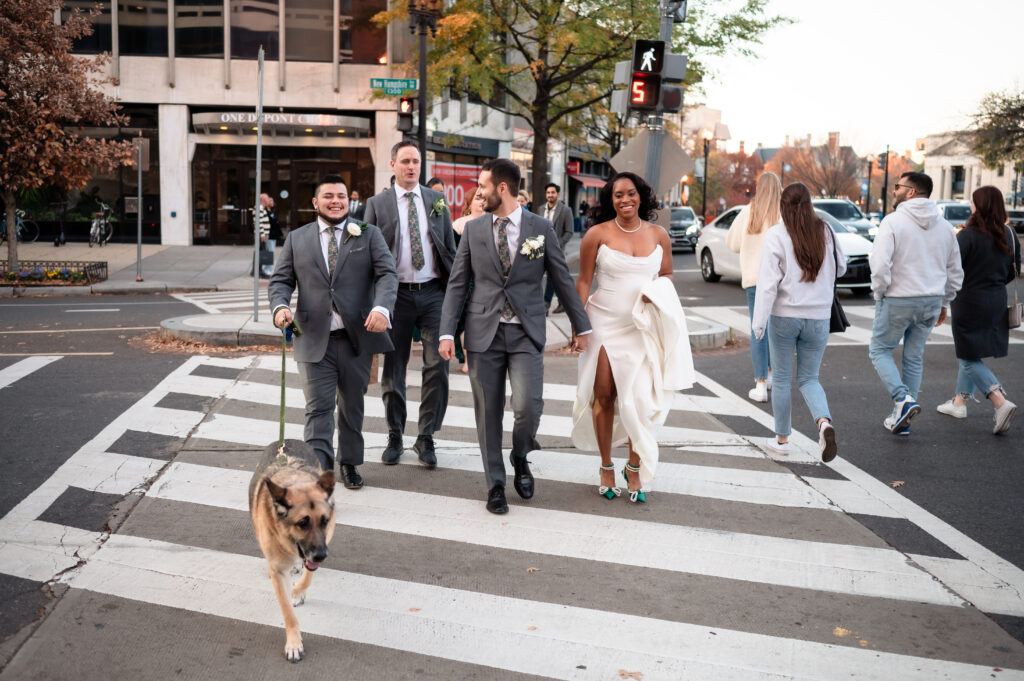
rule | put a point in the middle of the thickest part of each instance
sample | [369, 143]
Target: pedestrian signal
[405, 106]
[644, 92]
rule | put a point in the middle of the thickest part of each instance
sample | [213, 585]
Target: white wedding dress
[647, 347]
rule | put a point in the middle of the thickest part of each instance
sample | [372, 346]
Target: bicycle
[102, 229]
[27, 230]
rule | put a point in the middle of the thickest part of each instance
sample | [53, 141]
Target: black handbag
[838, 322]
[266, 257]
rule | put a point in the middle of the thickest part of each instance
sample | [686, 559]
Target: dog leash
[286, 337]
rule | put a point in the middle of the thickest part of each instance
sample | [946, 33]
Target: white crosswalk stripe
[860, 317]
[548, 637]
[216, 302]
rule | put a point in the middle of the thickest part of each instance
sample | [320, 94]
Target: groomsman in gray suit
[347, 284]
[506, 254]
[417, 227]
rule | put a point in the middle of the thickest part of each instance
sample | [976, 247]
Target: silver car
[683, 228]
[849, 214]
[717, 261]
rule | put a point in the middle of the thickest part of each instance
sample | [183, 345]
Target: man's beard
[491, 202]
[332, 221]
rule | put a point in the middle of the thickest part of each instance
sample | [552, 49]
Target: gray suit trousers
[339, 381]
[511, 354]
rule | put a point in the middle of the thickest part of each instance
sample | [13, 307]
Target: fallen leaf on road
[531, 628]
[896, 483]
[840, 632]
[532, 569]
[638, 676]
[414, 609]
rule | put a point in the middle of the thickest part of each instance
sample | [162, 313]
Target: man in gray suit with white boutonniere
[347, 286]
[506, 253]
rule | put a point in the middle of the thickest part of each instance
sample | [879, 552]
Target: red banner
[458, 179]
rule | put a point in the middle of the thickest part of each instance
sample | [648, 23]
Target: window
[307, 27]
[100, 40]
[254, 23]
[199, 28]
[142, 27]
[841, 210]
[725, 221]
[362, 41]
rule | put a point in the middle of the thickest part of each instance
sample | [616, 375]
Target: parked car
[716, 260]
[847, 213]
[955, 213]
[1016, 216]
[683, 227]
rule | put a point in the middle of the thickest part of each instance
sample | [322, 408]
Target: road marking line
[798, 563]
[21, 369]
[106, 328]
[63, 354]
[530, 637]
[97, 309]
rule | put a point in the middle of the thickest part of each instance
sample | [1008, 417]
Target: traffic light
[650, 78]
[882, 159]
[644, 92]
[405, 107]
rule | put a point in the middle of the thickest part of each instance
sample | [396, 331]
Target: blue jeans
[974, 374]
[909, 319]
[269, 245]
[758, 347]
[808, 338]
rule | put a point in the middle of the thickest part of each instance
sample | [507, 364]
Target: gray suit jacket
[477, 261]
[562, 221]
[364, 278]
[382, 209]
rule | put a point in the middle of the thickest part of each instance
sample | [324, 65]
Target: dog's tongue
[311, 566]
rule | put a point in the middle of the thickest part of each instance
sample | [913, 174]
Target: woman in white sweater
[745, 237]
[800, 261]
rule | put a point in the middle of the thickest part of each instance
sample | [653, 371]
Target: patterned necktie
[506, 262]
[415, 242]
[332, 251]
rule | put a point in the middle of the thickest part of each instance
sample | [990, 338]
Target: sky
[878, 71]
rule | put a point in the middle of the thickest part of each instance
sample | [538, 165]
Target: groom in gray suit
[506, 254]
[417, 227]
[347, 285]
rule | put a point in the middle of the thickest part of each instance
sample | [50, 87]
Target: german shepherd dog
[293, 517]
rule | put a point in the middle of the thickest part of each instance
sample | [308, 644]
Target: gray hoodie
[916, 254]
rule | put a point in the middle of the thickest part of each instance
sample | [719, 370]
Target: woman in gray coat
[990, 254]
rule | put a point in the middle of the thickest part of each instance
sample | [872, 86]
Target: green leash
[286, 336]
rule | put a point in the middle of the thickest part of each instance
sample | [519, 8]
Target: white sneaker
[773, 445]
[951, 408]
[1003, 416]
[759, 393]
[827, 441]
[902, 412]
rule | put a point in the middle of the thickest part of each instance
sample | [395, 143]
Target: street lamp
[423, 16]
[721, 132]
[785, 169]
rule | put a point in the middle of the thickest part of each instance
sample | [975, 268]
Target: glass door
[232, 196]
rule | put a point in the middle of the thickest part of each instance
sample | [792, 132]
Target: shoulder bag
[1015, 310]
[838, 322]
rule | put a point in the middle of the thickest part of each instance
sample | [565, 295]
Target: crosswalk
[740, 566]
[216, 302]
[861, 318]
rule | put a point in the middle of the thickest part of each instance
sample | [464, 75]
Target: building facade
[957, 171]
[186, 75]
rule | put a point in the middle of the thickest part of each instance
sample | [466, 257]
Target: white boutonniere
[439, 207]
[533, 248]
[354, 229]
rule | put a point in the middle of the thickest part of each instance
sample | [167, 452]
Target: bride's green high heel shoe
[638, 495]
[609, 492]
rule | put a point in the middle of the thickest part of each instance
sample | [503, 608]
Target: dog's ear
[326, 482]
[276, 491]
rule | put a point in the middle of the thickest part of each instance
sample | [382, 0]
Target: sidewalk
[193, 269]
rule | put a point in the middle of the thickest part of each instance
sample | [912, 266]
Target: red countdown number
[644, 90]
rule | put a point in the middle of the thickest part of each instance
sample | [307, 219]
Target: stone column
[968, 182]
[175, 176]
[947, 183]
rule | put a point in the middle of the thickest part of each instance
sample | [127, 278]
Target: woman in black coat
[990, 254]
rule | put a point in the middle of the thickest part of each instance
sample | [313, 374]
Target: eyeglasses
[901, 186]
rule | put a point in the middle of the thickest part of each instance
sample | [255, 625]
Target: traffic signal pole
[655, 121]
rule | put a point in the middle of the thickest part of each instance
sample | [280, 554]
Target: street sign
[674, 161]
[394, 86]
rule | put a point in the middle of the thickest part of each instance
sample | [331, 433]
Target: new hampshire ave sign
[393, 86]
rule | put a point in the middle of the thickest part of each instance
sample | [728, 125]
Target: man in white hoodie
[915, 273]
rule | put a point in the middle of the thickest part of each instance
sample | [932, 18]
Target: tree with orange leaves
[46, 96]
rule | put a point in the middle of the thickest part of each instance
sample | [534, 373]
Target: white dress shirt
[406, 273]
[549, 212]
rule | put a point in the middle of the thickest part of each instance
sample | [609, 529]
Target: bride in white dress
[638, 355]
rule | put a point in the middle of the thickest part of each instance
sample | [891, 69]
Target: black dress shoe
[350, 476]
[425, 449]
[496, 500]
[523, 478]
[393, 451]
[558, 309]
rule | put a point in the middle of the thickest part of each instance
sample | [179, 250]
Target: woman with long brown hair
[746, 234]
[472, 207]
[990, 255]
[800, 260]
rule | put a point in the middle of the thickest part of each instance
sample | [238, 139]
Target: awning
[589, 180]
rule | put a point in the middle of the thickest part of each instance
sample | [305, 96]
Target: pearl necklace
[628, 231]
